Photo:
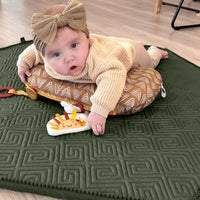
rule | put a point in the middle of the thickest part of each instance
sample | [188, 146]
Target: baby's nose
[69, 57]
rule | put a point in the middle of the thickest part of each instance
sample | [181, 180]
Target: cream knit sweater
[107, 65]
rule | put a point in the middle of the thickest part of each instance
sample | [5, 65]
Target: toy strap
[30, 92]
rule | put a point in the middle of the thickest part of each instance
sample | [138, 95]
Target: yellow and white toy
[68, 123]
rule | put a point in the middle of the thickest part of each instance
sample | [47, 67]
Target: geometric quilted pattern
[150, 155]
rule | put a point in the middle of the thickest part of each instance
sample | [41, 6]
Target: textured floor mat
[151, 155]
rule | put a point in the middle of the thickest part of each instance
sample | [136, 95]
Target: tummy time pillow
[142, 86]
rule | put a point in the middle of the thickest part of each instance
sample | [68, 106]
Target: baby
[63, 44]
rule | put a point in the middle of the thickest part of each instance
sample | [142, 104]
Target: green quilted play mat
[150, 155]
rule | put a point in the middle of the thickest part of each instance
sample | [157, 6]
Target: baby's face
[68, 53]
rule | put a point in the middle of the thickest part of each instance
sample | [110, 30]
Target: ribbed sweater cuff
[101, 110]
[21, 63]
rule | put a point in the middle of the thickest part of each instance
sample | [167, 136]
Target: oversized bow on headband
[45, 26]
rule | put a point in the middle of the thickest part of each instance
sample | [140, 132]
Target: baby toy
[68, 123]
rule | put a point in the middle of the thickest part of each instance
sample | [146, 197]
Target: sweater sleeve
[110, 59]
[30, 57]
[110, 85]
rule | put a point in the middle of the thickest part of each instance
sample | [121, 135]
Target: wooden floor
[124, 18]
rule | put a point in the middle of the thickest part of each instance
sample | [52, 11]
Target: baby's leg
[148, 58]
[156, 55]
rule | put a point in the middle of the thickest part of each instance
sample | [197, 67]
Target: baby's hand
[97, 123]
[23, 72]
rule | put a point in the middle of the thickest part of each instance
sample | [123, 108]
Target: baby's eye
[56, 54]
[74, 45]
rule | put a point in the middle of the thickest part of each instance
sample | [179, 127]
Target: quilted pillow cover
[142, 86]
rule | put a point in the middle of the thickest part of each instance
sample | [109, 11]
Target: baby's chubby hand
[23, 72]
[97, 123]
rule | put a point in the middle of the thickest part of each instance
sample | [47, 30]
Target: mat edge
[56, 192]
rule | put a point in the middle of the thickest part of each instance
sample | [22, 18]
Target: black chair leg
[176, 14]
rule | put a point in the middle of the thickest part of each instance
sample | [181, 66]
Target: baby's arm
[110, 85]
[29, 58]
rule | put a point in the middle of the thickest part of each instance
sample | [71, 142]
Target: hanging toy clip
[8, 94]
[30, 92]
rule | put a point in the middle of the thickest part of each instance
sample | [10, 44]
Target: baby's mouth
[73, 69]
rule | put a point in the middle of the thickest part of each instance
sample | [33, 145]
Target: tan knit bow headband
[45, 26]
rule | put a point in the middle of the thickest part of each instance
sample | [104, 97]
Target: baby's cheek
[58, 65]
[59, 68]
